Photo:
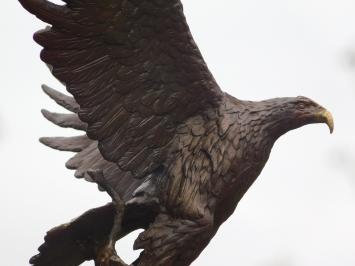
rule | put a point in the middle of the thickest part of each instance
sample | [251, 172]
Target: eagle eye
[301, 106]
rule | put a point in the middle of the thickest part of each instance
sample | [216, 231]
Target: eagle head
[281, 115]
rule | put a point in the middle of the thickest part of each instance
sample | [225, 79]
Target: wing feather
[74, 144]
[63, 100]
[87, 155]
[134, 69]
[65, 120]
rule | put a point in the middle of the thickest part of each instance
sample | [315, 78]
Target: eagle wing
[134, 71]
[88, 156]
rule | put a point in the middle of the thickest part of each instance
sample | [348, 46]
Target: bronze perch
[174, 151]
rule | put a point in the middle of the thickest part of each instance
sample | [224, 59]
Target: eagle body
[217, 157]
[208, 164]
[174, 151]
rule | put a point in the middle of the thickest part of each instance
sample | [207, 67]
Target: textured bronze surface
[175, 152]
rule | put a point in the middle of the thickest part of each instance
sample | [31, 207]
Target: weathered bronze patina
[173, 150]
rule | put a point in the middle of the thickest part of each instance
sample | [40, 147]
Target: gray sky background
[301, 211]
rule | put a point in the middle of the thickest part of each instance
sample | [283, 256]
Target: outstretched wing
[133, 68]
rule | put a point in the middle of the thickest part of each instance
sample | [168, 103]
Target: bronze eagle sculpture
[173, 150]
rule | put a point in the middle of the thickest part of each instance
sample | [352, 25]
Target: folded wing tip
[46, 88]
[34, 259]
[45, 112]
[33, 5]
[43, 9]
[24, 3]
[50, 117]
[44, 140]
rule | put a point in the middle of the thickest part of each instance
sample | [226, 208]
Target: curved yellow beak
[326, 117]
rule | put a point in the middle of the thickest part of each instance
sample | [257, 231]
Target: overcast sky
[301, 210]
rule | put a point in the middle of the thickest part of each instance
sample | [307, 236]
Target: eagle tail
[77, 241]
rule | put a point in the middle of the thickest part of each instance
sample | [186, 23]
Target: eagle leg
[107, 255]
